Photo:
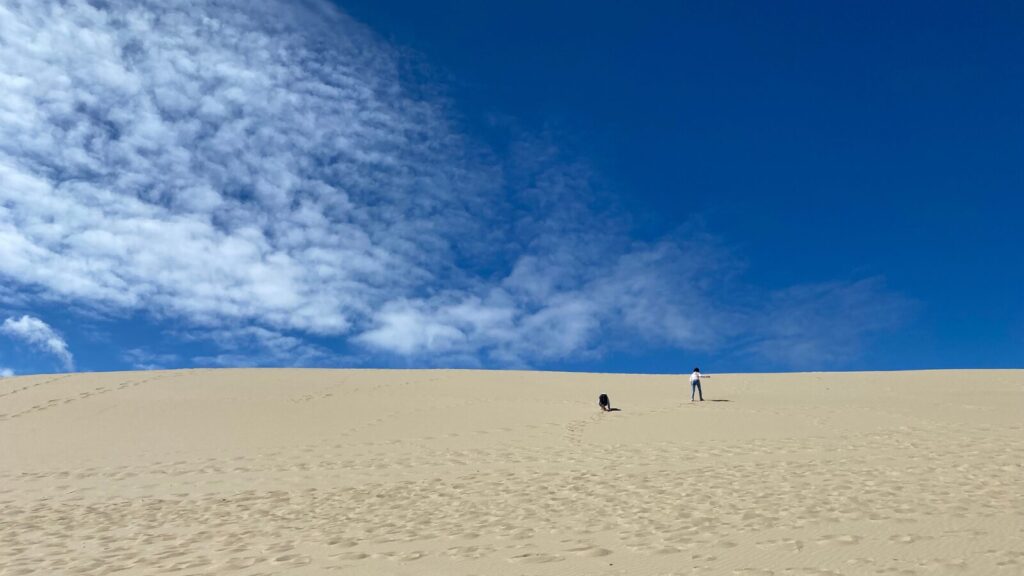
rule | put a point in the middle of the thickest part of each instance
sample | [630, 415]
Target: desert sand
[476, 472]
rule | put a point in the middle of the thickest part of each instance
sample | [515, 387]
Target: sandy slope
[464, 472]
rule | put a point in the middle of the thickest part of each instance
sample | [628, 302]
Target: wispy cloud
[827, 324]
[142, 359]
[576, 284]
[6, 373]
[40, 335]
[257, 346]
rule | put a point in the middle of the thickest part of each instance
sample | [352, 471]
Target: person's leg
[699, 391]
[693, 390]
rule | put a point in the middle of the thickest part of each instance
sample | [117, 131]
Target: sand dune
[467, 472]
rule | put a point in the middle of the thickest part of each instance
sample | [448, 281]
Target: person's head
[696, 369]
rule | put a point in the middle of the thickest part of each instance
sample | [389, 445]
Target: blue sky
[581, 186]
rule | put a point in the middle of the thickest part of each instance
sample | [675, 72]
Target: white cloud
[39, 334]
[411, 328]
[219, 162]
[6, 373]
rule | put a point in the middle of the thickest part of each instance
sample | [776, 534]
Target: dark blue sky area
[820, 140]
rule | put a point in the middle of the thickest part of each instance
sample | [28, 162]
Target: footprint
[242, 563]
[590, 551]
[536, 558]
[293, 559]
[843, 539]
[351, 556]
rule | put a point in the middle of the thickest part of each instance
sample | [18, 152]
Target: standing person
[695, 384]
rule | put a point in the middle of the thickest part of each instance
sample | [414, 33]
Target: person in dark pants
[695, 385]
[604, 403]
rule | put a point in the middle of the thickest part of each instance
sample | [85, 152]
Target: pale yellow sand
[462, 472]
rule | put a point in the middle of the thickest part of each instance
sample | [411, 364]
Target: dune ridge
[273, 471]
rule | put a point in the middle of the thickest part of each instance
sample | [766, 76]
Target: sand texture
[466, 472]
